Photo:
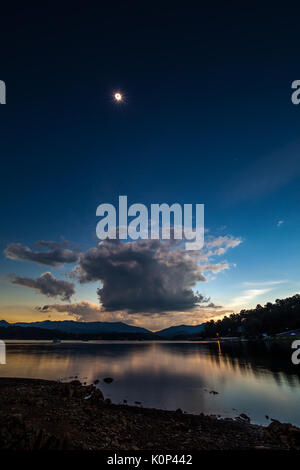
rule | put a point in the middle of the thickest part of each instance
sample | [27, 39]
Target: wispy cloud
[279, 223]
[265, 175]
[248, 296]
[264, 283]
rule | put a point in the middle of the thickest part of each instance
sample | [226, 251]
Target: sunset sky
[207, 118]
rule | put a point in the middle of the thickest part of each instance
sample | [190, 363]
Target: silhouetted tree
[272, 318]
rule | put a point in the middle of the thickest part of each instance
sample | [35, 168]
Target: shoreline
[38, 414]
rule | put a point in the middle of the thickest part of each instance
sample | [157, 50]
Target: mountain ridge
[178, 330]
[71, 326]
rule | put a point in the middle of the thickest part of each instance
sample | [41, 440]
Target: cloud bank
[153, 280]
[88, 311]
[57, 254]
[47, 285]
[82, 311]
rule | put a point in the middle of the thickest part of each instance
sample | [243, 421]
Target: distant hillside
[73, 330]
[70, 326]
[69, 329]
[181, 331]
[33, 333]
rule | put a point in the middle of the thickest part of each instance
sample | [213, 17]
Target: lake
[257, 379]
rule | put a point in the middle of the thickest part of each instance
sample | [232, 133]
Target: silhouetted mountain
[181, 331]
[33, 333]
[69, 329]
[70, 326]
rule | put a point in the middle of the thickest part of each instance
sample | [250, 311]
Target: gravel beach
[41, 415]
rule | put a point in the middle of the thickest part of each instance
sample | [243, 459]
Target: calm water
[256, 379]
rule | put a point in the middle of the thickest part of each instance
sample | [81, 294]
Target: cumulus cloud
[56, 254]
[143, 276]
[47, 285]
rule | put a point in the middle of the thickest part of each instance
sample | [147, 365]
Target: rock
[98, 394]
[108, 380]
[74, 423]
[245, 417]
[75, 383]
[96, 382]
[238, 418]
[286, 433]
[67, 391]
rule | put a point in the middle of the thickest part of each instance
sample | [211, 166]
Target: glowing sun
[118, 96]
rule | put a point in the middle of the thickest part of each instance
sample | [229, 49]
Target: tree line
[272, 318]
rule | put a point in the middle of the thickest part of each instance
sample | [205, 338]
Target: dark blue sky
[207, 119]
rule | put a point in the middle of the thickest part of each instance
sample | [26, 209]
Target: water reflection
[257, 379]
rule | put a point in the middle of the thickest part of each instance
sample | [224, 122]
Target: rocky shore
[40, 415]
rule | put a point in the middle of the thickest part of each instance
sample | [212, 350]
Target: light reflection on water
[255, 379]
